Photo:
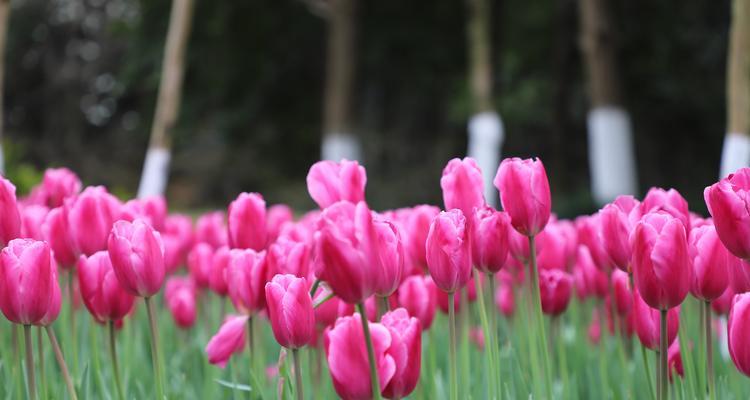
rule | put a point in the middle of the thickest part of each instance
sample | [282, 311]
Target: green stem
[250, 349]
[320, 303]
[40, 352]
[113, 356]
[155, 348]
[488, 338]
[453, 360]
[648, 372]
[709, 350]
[297, 375]
[374, 382]
[61, 362]
[385, 306]
[495, 335]
[29, 361]
[17, 366]
[72, 311]
[663, 357]
[542, 342]
[314, 287]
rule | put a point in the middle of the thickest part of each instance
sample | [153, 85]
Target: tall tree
[736, 151]
[4, 18]
[156, 165]
[485, 126]
[611, 153]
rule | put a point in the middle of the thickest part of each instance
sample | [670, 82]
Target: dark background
[82, 76]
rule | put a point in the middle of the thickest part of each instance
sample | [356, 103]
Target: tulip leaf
[235, 386]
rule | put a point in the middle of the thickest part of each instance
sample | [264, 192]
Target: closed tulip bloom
[210, 228]
[347, 357]
[406, 350]
[246, 222]
[287, 256]
[449, 251]
[32, 217]
[416, 227]
[150, 209]
[462, 185]
[504, 297]
[180, 227]
[137, 256]
[525, 194]
[489, 239]
[53, 311]
[277, 216]
[417, 294]
[711, 262]
[662, 269]
[622, 292]
[10, 218]
[555, 289]
[674, 360]
[91, 216]
[739, 275]
[728, 203]
[588, 230]
[518, 246]
[55, 232]
[615, 225]
[386, 250]
[738, 326]
[669, 201]
[290, 310]
[552, 249]
[101, 291]
[589, 280]
[58, 184]
[246, 278]
[200, 262]
[723, 303]
[229, 340]
[329, 182]
[217, 275]
[26, 281]
[180, 294]
[647, 322]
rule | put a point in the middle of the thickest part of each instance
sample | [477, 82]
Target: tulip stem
[154, 348]
[648, 372]
[384, 306]
[61, 362]
[320, 303]
[314, 287]
[537, 301]
[113, 355]
[709, 350]
[29, 361]
[489, 339]
[453, 361]
[374, 382]
[663, 357]
[40, 352]
[495, 334]
[72, 310]
[297, 375]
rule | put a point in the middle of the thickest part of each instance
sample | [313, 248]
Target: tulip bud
[417, 294]
[101, 291]
[728, 203]
[615, 226]
[329, 182]
[489, 239]
[552, 247]
[180, 294]
[739, 275]
[229, 340]
[90, 219]
[647, 322]
[246, 277]
[27, 280]
[463, 186]
[622, 291]
[210, 229]
[200, 262]
[674, 360]
[711, 263]
[57, 185]
[722, 304]
[288, 256]
[589, 280]
[524, 193]
[737, 328]
[217, 275]
[246, 222]
[555, 289]
[290, 309]
[150, 209]
[277, 217]
[10, 218]
[448, 251]
[668, 201]
[137, 255]
[55, 231]
[416, 227]
[32, 217]
[406, 350]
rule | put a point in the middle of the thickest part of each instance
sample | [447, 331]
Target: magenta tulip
[10, 218]
[646, 321]
[524, 193]
[246, 278]
[57, 185]
[27, 280]
[406, 350]
[137, 255]
[180, 294]
[217, 275]
[738, 326]
[504, 297]
[462, 185]
[555, 287]
[200, 262]
[290, 310]
[622, 292]
[329, 182]
[711, 263]
[489, 239]
[277, 216]
[32, 217]
[229, 340]
[416, 227]
[675, 360]
[55, 230]
[448, 251]
[287, 256]
[417, 294]
[723, 303]
[615, 225]
[246, 222]
[101, 291]
[210, 228]
[91, 216]
[728, 203]
[669, 201]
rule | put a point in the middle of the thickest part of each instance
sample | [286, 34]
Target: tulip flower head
[329, 182]
[290, 309]
[101, 291]
[137, 255]
[181, 295]
[448, 251]
[463, 186]
[489, 239]
[729, 205]
[10, 218]
[229, 340]
[27, 280]
[524, 193]
[711, 263]
[246, 222]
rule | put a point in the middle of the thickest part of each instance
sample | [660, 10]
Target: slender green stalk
[40, 352]
[29, 361]
[17, 367]
[385, 304]
[155, 348]
[709, 350]
[113, 356]
[61, 362]
[72, 311]
[495, 343]
[297, 375]
[374, 382]
[464, 323]
[251, 349]
[320, 303]
[658, 375]
[491, 375]
[314, 287]
[663, 356]
[542, 342]
[453, 360]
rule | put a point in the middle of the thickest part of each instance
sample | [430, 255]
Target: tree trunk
[611, 158]
[485, 126]
[736, 152]
[338, 141]
[156, 165]
[4, 18]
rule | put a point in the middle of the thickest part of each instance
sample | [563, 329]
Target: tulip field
[108, 298]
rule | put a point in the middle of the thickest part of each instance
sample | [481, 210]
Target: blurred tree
[4, 19]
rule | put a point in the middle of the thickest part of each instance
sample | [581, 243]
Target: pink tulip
[728, 203]
[489, 239]
[10, 218]
[518, 246]
[210, 229]
[200, 262]
[738, 326]
[504, 297]
[347, 357]
[647, 322]
[674, 360]
[32, 217]
[290, 309]
[91, 216]
[288, 256]
[588, 230]
[101, 291]
[476, 335]
[329, 182]
[723, 303]
[417, 294]
[739, 275]
[180, 227]
[217, 274]
[229, 340]
[55, 305]
[137, 256]
[246, 278]
[669, 201]
[463, 186]
[449, 251]
[525, 194]
[416, 227]
[246, 222]
[27, 280]
[622, 292]
[552, 247]
[661, 262]
[589, 280]
[327, 312]
[55, 231]
[555, 287]
[180, 294]
[406, 350]
[615, 225]
[150, 209]
[711, 263]
[277, 216]
[57, 185]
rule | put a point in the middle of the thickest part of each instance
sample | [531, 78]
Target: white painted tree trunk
[611, 154]
[736, 151]
[735, 154]
[155, 173]
[337, 146]
[486, 137]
